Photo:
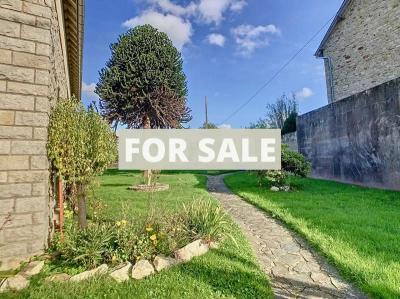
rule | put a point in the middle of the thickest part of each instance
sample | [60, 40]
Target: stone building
[40, 61]
[361, 48]
[356, 137]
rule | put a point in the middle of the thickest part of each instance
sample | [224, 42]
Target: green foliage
[294, 162]
[277, 113]
[88, 247]
[259, 124]
[112, 242]
[144, 79]
[209, 126]
[289, 125]
[80, 145]
[277, 178]
[206, 220]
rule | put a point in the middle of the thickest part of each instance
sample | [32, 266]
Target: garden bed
[229, 271]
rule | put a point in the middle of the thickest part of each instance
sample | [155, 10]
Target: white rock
[275, 189]
[142, 269]
[162, 262]
[59, 277]
[121, 273]
[191, 250]
[15, 283]
[285, 188]
[32, 268]
[101, 270]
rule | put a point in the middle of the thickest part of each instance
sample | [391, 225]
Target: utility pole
[206, 110]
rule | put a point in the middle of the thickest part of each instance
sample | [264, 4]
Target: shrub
[294, 162]
[80, 146]
[131, 240]
[277, 178]
[203, 219]
[88, 248]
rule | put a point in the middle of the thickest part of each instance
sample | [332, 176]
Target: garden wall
[357, 139]
[32, 71]
[290, 139]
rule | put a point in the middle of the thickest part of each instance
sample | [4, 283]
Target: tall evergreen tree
[143, 84]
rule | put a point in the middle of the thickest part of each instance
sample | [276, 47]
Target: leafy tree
[279, 111]
[260, 124]
[143, 84]
[80, 146]
[209, 126]
[289, 125]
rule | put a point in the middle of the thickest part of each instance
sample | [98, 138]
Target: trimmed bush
[277, 178]
[294, 162]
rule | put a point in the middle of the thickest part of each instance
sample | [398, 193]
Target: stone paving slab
[296, 271]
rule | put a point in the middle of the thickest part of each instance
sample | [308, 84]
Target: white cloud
[178, 30]
[88, 94]
[238, 5]
[88, 87]
[225, 126]
[175, 9]
[211, 11]
[304, 93]
[249, 37]
[216, 39]
[207, 11]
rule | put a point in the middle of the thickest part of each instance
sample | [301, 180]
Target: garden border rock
[123, 272]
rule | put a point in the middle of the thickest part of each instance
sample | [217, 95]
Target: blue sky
[230, 48]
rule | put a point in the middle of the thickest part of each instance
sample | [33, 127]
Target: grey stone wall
[365, 47]
[290, 140]
[357, 139]
[31, 72]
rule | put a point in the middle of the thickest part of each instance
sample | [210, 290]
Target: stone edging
[123, 272]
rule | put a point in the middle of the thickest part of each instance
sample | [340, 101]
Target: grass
[228, 272]
[356, 228]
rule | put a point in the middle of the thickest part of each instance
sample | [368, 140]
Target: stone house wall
[357, 139]
[364, 47]
[33, 73]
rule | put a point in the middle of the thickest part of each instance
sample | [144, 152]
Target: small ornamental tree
[80, 146]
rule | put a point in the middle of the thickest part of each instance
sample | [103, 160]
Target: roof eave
[338, 17]
[74, 21]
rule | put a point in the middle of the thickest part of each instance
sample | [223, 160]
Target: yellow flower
[149, 228]
[153, 237]
[124, 222]
[118, 223]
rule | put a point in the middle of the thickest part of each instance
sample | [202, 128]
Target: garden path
[296, 270]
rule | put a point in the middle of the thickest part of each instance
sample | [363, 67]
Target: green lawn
[228, 272]
[357, 228]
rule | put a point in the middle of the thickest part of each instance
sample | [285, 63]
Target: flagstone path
[296, 271]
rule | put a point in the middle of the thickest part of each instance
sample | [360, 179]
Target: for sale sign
[193, 149]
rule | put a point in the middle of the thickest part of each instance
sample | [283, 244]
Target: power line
[278, 72]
